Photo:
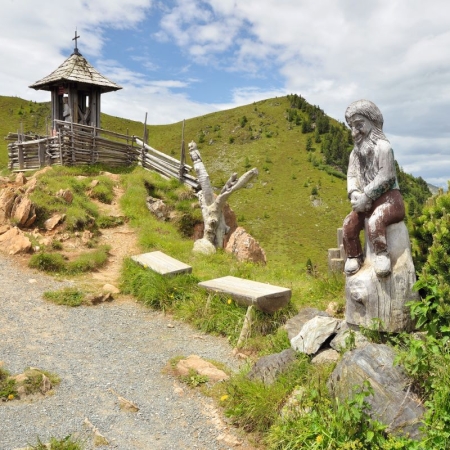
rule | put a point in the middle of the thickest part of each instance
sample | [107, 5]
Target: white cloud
[331, 52]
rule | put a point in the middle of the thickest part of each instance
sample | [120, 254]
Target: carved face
[361, 127]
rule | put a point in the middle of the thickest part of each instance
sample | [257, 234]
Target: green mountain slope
[294, 207]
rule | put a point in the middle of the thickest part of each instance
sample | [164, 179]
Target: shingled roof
[75, 69]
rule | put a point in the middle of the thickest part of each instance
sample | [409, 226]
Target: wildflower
[11, 397]
[229, 301]
[223, 398]
[319, 438]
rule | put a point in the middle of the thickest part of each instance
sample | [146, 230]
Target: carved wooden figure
[379, 279]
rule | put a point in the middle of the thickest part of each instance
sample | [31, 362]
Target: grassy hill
[294, 207]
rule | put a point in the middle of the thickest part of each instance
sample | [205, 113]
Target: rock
[94, 183]
[51, 223]
[14, 242]
[314, 333]
[7, 198]
[110, 288]
[30, 186]
[346, 337]
[127, 405]
[96, 299]
[294, 325]
[328, 356]
[66, 194]
[42, 171]
[86, 236]
[204, 247]
[392, 403]
[23, 212]
[4, 228]
[199, 229]
[267, 368]
[158, 208]
[294, 404]
[20, 179]
[34, 379]
[369, 297]
[332, 308]
[201, 367]
[245, 247]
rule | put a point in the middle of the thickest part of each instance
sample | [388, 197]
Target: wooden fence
[75, 144]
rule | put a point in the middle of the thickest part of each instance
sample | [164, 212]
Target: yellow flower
[229, 301]
[11, 397]
[319, 438]
[223, 398]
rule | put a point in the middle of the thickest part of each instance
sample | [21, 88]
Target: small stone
[328, 356]
[21, 179]
[110, 288]
[51, 223]
[201, 367]
[204, 247]
[169, 325]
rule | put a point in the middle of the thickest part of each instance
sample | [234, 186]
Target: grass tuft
[68, 296]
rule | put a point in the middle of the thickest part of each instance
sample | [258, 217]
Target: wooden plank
[265, 297]
[161, 263]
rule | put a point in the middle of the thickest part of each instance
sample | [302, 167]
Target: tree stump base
[370, 299]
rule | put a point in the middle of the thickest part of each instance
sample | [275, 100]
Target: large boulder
[267, 368]
[314, 333]
[295, 324]
[23, 212]
[245, 247]
[14, 242]
[7, 197]
[392, 402]
[383, 299]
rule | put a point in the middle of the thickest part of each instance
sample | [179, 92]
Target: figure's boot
[352, 265]
[382, 264]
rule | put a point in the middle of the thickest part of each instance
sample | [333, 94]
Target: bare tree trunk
[211, 205]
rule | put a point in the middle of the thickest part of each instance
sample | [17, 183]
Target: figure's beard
[368, 143]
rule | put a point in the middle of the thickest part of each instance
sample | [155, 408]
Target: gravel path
[120, 346]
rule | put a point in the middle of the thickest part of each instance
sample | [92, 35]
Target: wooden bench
[262, 296]
[161, 263]
[253, 294]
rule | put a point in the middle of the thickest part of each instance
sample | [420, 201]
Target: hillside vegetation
[299, 199]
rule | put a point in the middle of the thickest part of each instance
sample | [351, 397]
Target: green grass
[66, 443]
[8, 388]
[56, 263]
[277, 209]
[67, 296]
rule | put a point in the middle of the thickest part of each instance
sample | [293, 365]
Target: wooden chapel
[76, 89]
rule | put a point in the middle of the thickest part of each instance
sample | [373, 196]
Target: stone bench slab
[265, 297]
[161, 263]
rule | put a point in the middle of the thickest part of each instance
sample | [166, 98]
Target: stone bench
[161, 263]
[262, 296]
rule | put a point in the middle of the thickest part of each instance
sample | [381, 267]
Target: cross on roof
[76, 43]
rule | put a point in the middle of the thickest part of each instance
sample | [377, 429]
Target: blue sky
[179, 59]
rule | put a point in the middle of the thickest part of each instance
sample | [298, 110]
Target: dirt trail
[121, 239]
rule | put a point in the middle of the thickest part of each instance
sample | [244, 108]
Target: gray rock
[314, 333]
[328, 356]
[343, 337]
[294, 325]
[267, 368]
[204, 247]
[392, 403]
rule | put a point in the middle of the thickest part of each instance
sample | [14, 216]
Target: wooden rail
[76, 144]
